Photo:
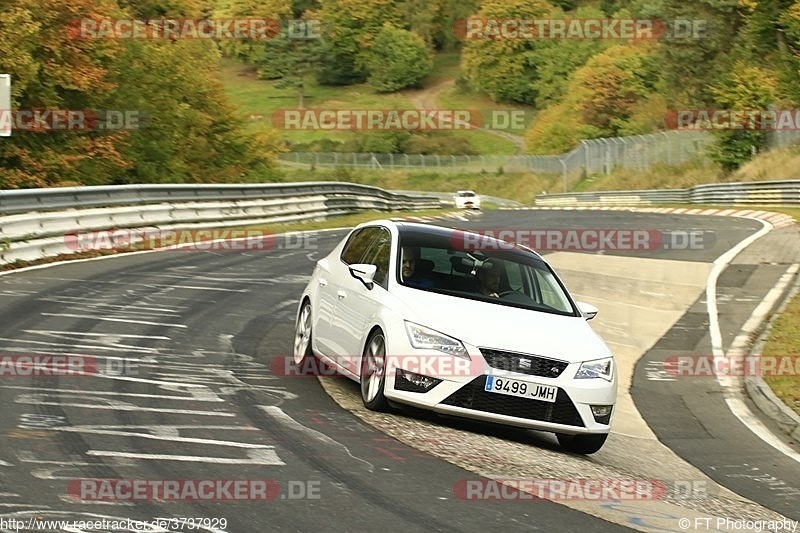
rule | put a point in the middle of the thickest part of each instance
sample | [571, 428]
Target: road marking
[108, 319]
[254, 457]
[728, 383]
[172, 438]
[197, 394]
[114, 405]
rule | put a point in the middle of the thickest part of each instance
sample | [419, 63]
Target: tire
[302, 335]
[373, 373]
[583, 444]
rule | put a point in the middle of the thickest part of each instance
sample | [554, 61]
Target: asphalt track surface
[185, 342]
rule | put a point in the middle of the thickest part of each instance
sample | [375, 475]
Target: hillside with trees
[746, 58]
[735, 54]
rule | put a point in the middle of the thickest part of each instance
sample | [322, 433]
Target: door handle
[322, 282]
[341, 294]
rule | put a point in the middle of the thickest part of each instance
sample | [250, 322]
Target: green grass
[784, 340]
[256, 100]
[446, 66]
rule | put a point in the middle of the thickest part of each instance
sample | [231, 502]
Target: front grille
[523, 363]
[472, 396]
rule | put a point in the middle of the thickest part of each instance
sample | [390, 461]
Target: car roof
[416, 228]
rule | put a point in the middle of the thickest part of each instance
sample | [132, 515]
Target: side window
[551, 295]
[514, 274]
[379, 256]
[358, 244]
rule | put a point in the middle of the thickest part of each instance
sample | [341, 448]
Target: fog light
[411, 382]
[602, 413]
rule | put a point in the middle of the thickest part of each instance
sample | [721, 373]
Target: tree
[745, 88]
[349, 28]
[398, 59]
[506, 69]
[188, 133]
[614, 93]
[291, 62]
[692, 65]
[251, 51]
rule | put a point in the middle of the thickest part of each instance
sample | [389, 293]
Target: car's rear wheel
[302, 335]
[373, 373]
[584, 444]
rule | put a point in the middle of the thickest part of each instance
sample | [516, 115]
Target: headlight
[599, 368]
[426, 338]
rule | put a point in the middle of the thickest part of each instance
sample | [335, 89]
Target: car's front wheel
[373, 373]
[583, 444]
[302, 335]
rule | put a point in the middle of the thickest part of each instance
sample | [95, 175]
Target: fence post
[585, 145]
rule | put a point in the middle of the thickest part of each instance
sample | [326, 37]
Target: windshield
[513, 278]
[464, 194]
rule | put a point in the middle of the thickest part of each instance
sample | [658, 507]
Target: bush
[398, 59]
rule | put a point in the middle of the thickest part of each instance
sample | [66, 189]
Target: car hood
[487, 325]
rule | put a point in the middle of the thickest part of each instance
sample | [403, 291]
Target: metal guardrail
[783, 192]
[22, 200]
[34, 222]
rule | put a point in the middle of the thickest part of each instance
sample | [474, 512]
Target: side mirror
[364, 273]
[587, 310]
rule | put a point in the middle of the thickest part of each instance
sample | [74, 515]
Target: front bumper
[465, 396]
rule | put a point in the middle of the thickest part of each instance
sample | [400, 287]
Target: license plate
[521, 389]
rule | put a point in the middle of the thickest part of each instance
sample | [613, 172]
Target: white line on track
[730, 384]
[108, 319]
[257, 457]
[171, 438]
[193, 398]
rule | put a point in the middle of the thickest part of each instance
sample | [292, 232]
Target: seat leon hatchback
[461, 324]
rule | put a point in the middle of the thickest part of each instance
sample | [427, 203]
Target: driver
[409, 268]
[489, 280]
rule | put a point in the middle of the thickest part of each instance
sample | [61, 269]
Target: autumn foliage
[189, 135]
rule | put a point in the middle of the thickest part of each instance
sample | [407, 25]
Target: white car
[461, 324]
[467, 200]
